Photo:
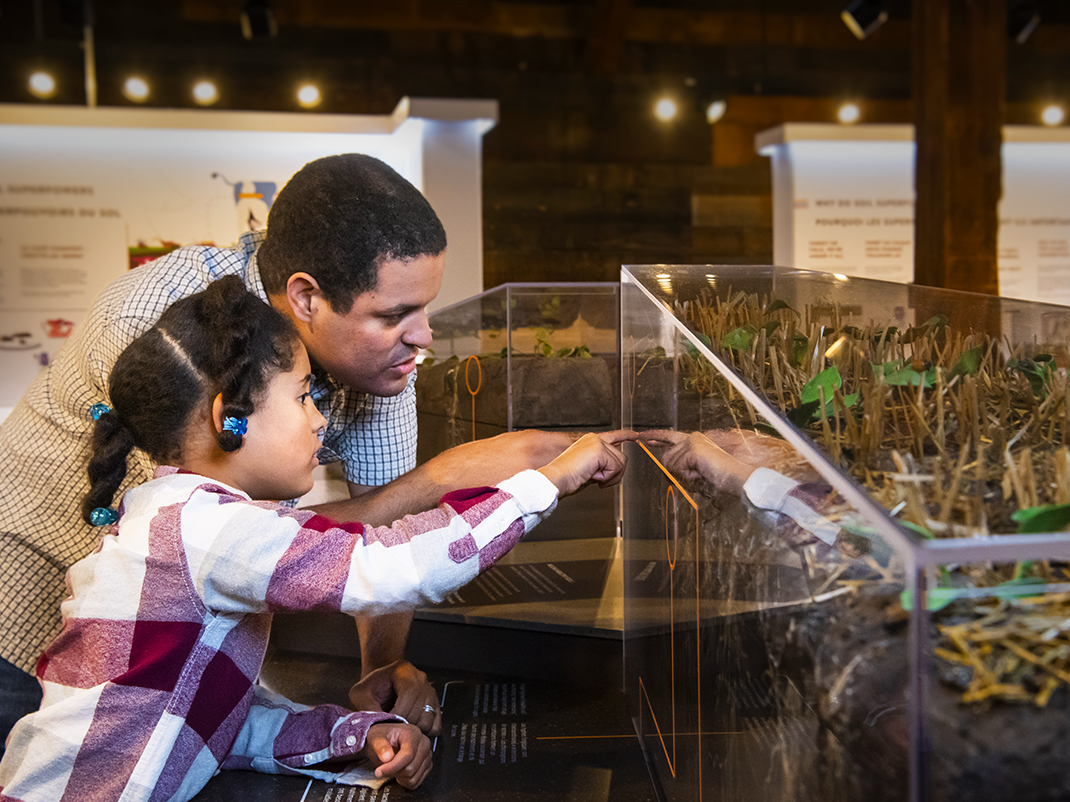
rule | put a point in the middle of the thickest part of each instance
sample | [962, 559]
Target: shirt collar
[248, 244]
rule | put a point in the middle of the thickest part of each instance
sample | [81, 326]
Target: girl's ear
[303, 294]
[217, 413]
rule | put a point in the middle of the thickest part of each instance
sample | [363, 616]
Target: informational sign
[86, 194]
[843, 202]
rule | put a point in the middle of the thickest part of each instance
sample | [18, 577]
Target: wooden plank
[731, 210]
[606, 41]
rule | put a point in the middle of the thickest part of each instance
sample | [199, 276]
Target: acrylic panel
[525, 356]
[848, 625]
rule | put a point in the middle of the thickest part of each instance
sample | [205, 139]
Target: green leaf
[896, 374]
[770, 327]
[885, 333]
[828, 380]
[739, 339]
[702, 338]
[1041, 519]
[803, 414]
[938, 598]
[1009, 589]
[1038, 373]
[968, 364]
[777, 305]
[934, 324]
[935, 599]
[918, 530]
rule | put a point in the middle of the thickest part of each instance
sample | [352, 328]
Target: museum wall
[579, 176]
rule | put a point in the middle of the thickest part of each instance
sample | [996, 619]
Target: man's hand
[402, 689]
[754, 448]
[400, 751]
[595, 457]
[695, 456]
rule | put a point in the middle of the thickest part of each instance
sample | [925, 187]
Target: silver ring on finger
[429, 709]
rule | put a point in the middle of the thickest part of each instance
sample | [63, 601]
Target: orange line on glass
[672, 478]
[670, 760]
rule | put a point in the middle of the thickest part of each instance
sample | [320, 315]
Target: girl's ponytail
[112, 443]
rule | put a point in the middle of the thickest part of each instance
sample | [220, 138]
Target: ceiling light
[863, 17]
[715, 111]
[205, 93]
[135, 89]
[308, 96]
[1053, 115]
[849, 113]
[42, 84]
[665, 109]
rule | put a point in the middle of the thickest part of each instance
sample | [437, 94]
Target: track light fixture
[1022, 20]
[258, 20]
[863, 17]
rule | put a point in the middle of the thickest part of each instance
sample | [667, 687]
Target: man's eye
[304, 397]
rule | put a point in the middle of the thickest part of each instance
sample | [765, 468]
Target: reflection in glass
[816, 607]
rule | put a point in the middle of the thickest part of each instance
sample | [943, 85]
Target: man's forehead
[395, 277]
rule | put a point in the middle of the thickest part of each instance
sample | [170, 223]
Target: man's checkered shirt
[45, 442]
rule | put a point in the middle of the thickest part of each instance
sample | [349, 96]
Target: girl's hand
[400, 751]
[595, 457]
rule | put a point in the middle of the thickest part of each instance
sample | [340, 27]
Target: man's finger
[615, 438]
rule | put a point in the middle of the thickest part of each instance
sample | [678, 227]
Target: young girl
[151, 686]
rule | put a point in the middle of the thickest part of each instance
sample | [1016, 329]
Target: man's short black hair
[338, 219]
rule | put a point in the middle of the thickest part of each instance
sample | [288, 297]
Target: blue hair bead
[102, 516]
[97, 410]
[235, 425]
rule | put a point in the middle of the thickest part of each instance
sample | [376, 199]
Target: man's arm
[477, 464]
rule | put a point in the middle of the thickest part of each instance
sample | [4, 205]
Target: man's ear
[303, 295]
[217, 413]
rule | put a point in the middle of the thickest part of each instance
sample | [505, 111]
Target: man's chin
[384, 387]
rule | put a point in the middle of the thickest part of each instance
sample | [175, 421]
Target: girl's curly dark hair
[220, 341]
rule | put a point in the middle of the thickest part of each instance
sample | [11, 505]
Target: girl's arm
[252, 557]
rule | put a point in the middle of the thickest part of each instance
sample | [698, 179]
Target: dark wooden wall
[579, 176]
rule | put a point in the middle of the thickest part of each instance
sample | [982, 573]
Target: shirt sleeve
[800, 513]
[283, 737]
[250, 557]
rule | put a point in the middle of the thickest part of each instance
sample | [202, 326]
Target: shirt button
[351, 740]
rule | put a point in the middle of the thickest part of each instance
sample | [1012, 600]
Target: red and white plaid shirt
[150, 687]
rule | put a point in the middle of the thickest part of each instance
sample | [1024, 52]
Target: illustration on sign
[253, 199]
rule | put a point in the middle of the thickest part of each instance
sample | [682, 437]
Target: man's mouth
[406, 365]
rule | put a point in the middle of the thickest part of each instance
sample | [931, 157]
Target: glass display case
[532, 356]
[844, 571]
[524, 356]
[521, 356]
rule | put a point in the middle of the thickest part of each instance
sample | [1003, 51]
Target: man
[353, 256]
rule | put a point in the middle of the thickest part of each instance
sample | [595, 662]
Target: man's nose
[419, 334]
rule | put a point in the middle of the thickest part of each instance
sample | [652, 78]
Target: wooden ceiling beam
[606, 22]
[605, 46]
[614, 21]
